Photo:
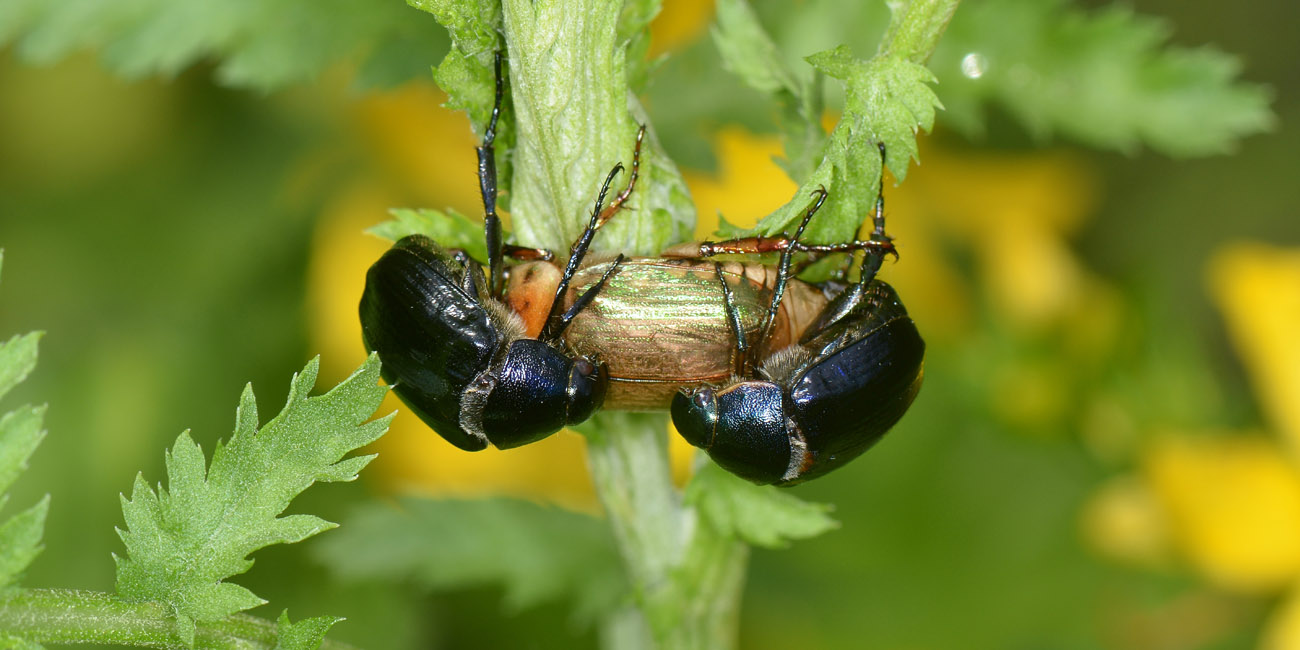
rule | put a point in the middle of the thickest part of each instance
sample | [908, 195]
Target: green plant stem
[686, 577]
[575, 118]
[916, 27]
[73, 616]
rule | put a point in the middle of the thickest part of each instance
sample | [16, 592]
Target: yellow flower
[1258, 289]
[1229, 502]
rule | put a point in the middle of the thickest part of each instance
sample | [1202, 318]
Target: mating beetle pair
[812, 383]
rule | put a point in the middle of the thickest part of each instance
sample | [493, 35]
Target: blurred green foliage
[160, 232]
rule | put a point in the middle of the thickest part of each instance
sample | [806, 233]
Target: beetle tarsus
[783, 273]
[617, 203]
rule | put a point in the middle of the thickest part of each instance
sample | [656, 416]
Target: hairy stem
[686, 577]
[916, 27]
[72, 616]
[575, 117]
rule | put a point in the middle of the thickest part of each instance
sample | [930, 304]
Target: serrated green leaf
[17, 359]
[306, 634]
[473, 25]
[184, 540]
[466, 73]
[20, 541]
[761, 515]
[20, 435]
[888, 99]
[450, 229]
[1106, 77]
[535, 553]
[259, 44]
[469, 84]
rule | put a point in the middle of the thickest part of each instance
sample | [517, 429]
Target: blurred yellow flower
[1233, 507]
[1257, 287]
[1229, 502]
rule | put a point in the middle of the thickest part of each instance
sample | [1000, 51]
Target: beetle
[457, 355]
[809, 408]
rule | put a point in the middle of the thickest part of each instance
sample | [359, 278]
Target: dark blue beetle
[457, 355]
[811, 407]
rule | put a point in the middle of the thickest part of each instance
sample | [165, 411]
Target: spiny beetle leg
[733, 317]
[783, 276]
[487, 181]
[617, 203]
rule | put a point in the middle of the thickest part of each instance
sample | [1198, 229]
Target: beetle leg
[554, 328]
[729, 303]
[576, 253]
[873, 258]
[617, 203]
[783, 275]
[759, 245]
[487, 181]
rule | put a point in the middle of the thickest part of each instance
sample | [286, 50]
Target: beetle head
[695, 414]
[537, 391]
[586, 392]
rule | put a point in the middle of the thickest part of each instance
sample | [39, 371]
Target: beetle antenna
[487, 181]
[579, 249]
[783, 273]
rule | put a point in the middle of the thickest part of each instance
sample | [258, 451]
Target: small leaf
[888, 100]
[466, 73]
[1106, 77]
[306, 634]
[20, 541]
[182, 542]
[17, 359]
[450, 229]
[263, 44]
[761, 515]
[20, 434]
[535, 553]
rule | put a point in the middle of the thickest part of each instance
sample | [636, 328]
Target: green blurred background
[162, 231]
